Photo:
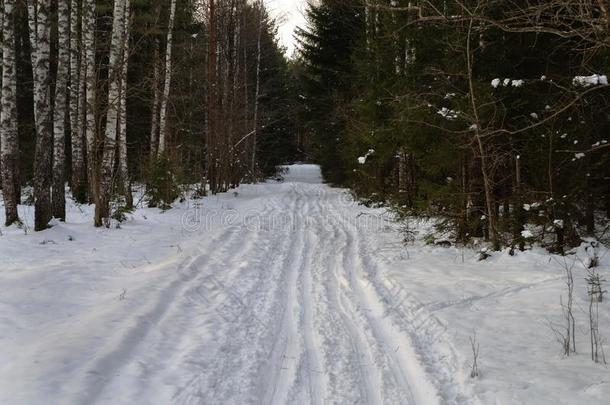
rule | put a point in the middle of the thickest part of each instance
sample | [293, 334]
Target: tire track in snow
[245, 346]
[202, 303]
[316, 323]
[280, 373]
[387, 381]
[348, 357]
[308, 365]
[293, 345]
[407, 380]
[428, 358]
[133, 330]
[180, 301]
[381, 387]
[210, 371]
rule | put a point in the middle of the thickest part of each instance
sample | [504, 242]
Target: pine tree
[326, 51]
[454, 104]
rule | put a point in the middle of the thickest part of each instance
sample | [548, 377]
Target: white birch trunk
[9, 151]
[33, 28]
[102, 209]
[89, 92]
[122, 126]
[82, 110]
[154, 128]
[77, 83]
[168, 79]
[40, 30]
[59, 118]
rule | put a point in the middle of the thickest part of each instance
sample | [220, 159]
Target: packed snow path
[272, 298]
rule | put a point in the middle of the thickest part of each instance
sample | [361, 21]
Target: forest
[412, 207]
[491, 116]
[102, 94]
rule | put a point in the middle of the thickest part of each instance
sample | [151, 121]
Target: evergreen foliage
[468, 111]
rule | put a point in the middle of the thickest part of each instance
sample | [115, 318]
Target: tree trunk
[212, 100]
[590, 199]
[167, 82]
[482, 148]
[9, 156]
[77, 82]
[40, 31]
[518, 214]
[257, 92]
[406, 177]
[234, 71]
[154, 128]
[464, 231]
[122, 127]
[59, 120]
[90, 83]
[102, 206]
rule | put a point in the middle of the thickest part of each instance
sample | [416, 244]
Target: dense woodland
[490, 115]
[101, 94]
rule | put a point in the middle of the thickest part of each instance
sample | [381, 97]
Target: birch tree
[40, 27]
[77, 90]
[122, 125]
[87, 72]
[59, 120]
[154, 128]
[9, 155]
[102, 207]
[167, 81]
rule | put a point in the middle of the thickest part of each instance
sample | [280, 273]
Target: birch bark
[102, 206]
[167, 83]
[9, 151]
[40, 27]
[122, 126]
[76, 92]
[154, 128]
[88, 90]
[59, 118]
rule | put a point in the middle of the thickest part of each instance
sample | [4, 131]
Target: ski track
[300, 313]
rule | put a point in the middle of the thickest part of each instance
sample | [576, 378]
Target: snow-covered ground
[280, 293]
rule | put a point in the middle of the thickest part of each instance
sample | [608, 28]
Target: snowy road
[273, 298]
[279, 293]
[277, 310]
